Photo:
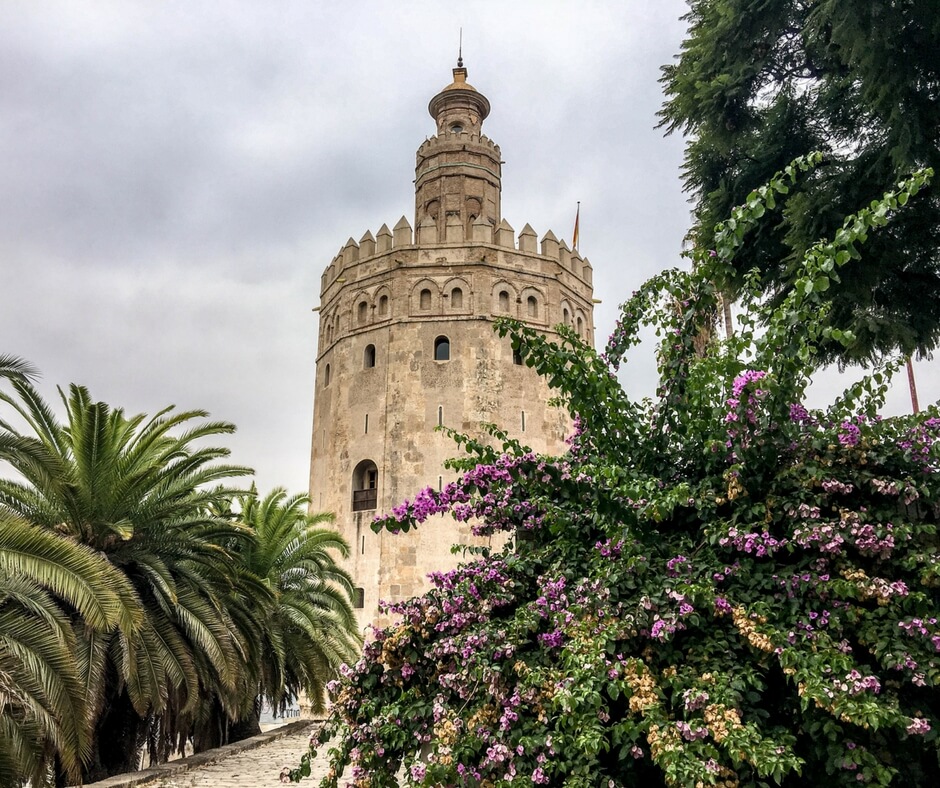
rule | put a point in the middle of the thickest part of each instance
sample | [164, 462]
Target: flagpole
[577, 221]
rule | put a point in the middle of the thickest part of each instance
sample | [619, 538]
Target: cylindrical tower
[406, 344]
[457, 174]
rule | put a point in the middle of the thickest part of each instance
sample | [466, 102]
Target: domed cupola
[459, 107]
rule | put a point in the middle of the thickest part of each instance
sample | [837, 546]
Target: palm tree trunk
[910, 381]
[726, 311]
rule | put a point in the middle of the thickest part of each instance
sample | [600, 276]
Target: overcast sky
[174, 177]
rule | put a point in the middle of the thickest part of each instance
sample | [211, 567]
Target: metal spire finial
[460, 51]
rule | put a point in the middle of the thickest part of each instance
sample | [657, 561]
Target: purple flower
[849, 434]
[746, 377]
[539, 777]
[918, 727]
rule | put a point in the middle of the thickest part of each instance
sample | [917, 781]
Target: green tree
[759, 83]
[715, 587]
[44, 715]
[140, 496]
[307, 628]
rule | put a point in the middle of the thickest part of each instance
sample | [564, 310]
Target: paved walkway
[233, 766]
[257, 768]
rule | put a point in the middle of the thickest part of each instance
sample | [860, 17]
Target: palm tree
[42, 710]
[16, 367]
[142, 497]
[309, 628]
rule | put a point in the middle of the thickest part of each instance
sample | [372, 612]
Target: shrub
[716, 587]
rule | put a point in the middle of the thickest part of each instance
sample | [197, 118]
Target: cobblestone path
[257, 768]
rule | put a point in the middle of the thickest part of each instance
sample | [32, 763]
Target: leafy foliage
[136, 609]
[715, 587]
[759, 83]
[309, 629]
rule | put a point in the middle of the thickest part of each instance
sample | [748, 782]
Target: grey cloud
[175, 176]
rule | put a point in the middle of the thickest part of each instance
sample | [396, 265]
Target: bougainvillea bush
[719, 586]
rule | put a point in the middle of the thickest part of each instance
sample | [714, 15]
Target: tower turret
[458, 171]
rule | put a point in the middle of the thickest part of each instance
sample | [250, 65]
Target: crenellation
[368, 258]
[453, 229]
[550, 245]
[402, 233]
[367, 245]
[350, 253]
[504, 235]
[337, 263]
[575, 262]
[426, 232]
[528, 239]
[447, 137]
[564, 255]
[481, 231]
[383, 240]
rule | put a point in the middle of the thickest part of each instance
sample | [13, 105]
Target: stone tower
[406, 344]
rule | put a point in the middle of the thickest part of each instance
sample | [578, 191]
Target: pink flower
[918, 727]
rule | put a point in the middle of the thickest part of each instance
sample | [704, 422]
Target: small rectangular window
[359, 598]
[523, 421]
[367, 424]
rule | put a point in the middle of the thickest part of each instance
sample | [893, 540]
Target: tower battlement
[355, 261]
[458, 138]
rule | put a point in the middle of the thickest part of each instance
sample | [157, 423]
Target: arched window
[517, 358]
[326, 375]
[532, 305]
[456, 298]
[580, 326]
[565, 317]
[503, 301]
[329, 332]
[365, 485]
[425, 302]
[363, 312]
[442, 349]
[383, 306]
[368, 358]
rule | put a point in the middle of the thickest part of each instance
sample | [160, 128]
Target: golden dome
[459, 93]
[460, 81]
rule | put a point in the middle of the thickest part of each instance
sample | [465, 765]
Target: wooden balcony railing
[364, 499]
